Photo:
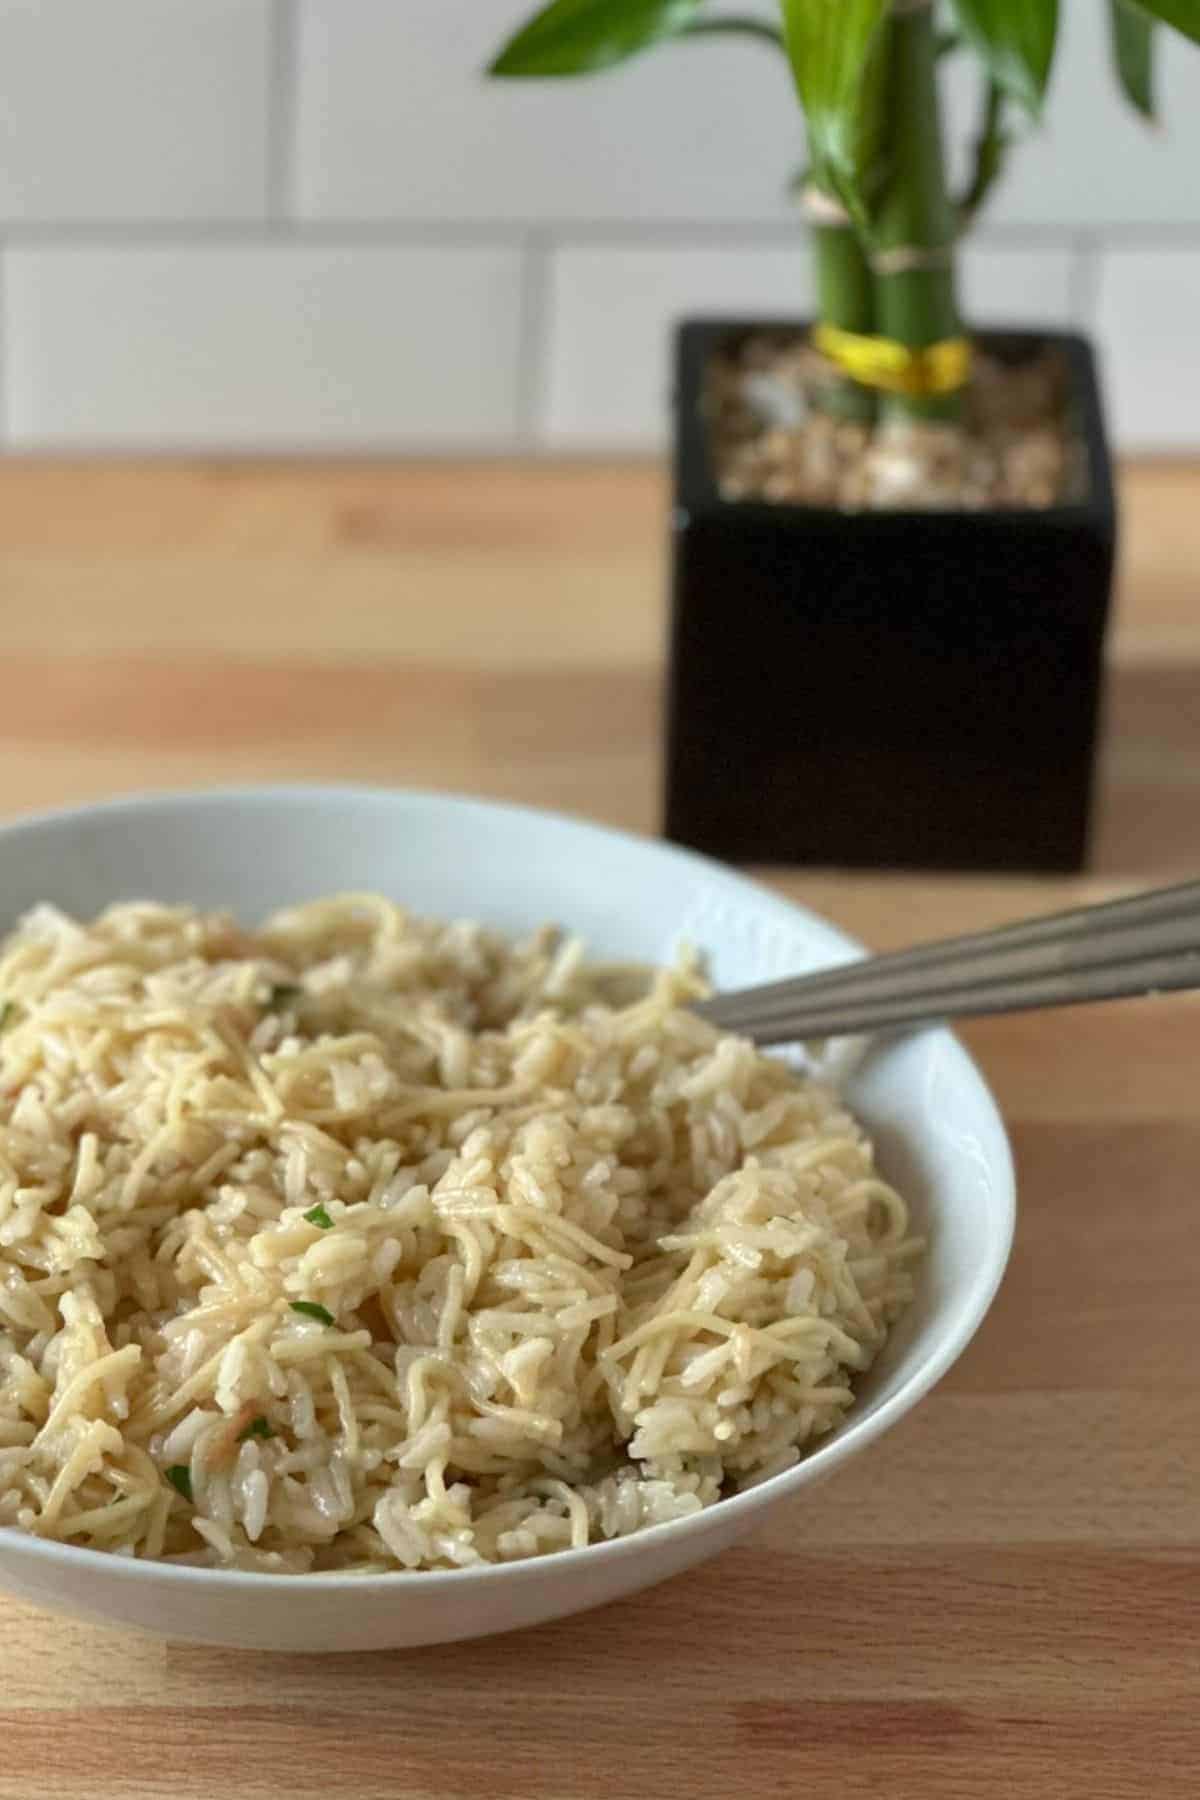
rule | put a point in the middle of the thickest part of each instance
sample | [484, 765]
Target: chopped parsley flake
[8, 1012]
[316, 1215]
[309, 1309]
[257, 1428]
[284, 993]
[179, 1476]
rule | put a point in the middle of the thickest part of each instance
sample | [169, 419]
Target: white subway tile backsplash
[1149, 329]
[315, 224]
[252, 347]
[396, 120]
[610, 314]
[1009, 284]
[1094, 161]
[611, 309]
[133, 109]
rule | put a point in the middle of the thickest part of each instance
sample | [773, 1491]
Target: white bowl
[935, 1125]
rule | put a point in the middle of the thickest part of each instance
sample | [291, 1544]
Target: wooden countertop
[1002, 1599]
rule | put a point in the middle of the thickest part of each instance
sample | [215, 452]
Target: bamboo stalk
[915, 224]
[845, 294]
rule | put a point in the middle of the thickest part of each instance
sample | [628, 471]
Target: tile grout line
[1087, 252]
[668, 234]
[281, 110]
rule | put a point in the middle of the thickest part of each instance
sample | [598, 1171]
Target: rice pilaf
[364, 1242]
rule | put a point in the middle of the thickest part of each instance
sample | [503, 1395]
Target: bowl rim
[851, 1437]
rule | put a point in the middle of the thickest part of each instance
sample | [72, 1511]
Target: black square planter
[915, 689]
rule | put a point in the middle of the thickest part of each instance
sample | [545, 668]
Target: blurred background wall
[312, 225]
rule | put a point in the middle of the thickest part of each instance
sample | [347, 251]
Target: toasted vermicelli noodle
[365, 1242]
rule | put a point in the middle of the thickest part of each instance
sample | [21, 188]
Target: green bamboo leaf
[577, 37]
[830, 44]
[1132, 35]
[1183, 15]
[990, 149]
[1015, 38]
[735, 26]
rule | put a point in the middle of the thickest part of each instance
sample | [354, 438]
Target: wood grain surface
[1001, 1599]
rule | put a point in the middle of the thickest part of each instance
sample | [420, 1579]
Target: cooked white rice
[371, 1243]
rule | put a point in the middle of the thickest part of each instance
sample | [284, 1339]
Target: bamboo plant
[875, 192]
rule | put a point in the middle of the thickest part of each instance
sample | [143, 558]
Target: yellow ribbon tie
[880, 362]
